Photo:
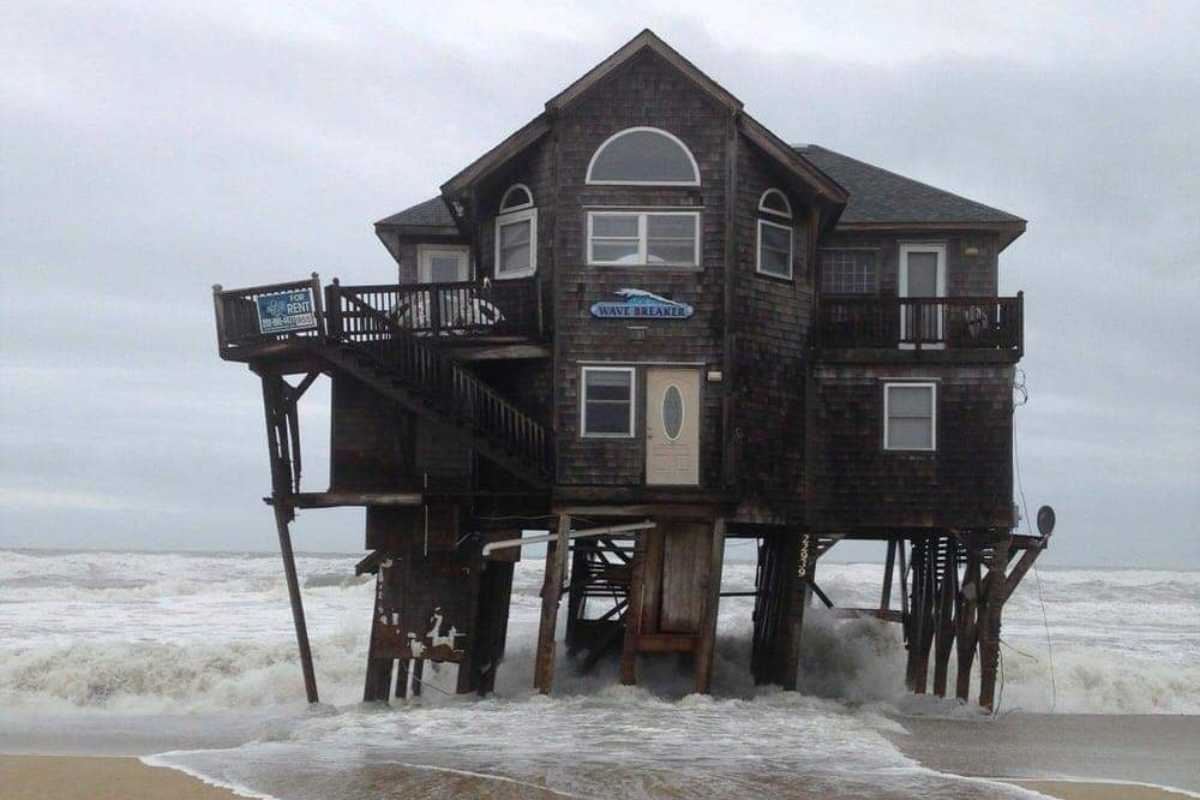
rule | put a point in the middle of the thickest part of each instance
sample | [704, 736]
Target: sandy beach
[98, 778]
[30, 777]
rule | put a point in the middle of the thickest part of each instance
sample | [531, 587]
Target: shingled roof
[431, 213]
[876, 196]
[880, 196]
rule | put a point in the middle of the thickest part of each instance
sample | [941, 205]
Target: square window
[910, 416]
[516, 244]
[849, 272]
[607, 402]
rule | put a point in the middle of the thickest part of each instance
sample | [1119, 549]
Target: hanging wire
[1020, 388]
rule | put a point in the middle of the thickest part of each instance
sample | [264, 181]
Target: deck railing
[467, 308]
[952, 323]
[238, 318]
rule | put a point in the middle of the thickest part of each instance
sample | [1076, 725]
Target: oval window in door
[672, 412]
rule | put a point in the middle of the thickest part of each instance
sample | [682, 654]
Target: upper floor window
[849, 272]
[775, 236]
[910, 416]
[450, 263]
[516, 234]
[643, 157]
[644, 238]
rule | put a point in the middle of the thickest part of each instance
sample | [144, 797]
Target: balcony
[986, 327]
[261, 319]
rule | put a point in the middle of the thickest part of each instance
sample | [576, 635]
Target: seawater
[194, 654]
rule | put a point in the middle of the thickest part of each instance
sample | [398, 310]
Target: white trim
[508, 218]
[426, 251]
[911, 383]
[583, 373]
[642, 238]
[758, 265]
[786, 203]
[619, 134]
[940, 280]
[506, 209]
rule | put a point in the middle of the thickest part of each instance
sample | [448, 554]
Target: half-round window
[775, 202]
[672, 412]
[517, 197]
[644, 156]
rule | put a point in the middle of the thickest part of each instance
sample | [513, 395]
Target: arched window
[516, 234]
[775, 236]
[775, 202]
[643, 157]
[517, 197]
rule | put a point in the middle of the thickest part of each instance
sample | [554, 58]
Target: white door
[672, 427]
[922, 275]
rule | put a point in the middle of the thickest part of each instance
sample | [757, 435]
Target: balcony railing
[950, 323]
[468, 308]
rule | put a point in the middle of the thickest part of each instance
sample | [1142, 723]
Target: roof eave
[823, 186]
[1009, 230]
[509, 148]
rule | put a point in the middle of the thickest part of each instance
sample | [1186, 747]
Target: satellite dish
[1045, 520]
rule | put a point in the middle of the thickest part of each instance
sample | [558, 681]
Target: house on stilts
[647, 324]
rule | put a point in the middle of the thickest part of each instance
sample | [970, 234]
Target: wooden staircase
[366, 343]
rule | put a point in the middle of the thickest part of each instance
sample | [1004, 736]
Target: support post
[708, 631]
[989, 625]
[799, 589]
[885, 598]
[275, 408]
[966, 629]
[945, 625]
[556, 564]
[633, 613]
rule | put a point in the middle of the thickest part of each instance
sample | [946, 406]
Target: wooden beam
[708, 625]
[944, 632]
[556, 567]
[1014, 578]
[633, 615]
[337, 499]
[989, 625]
[885, 597]
[966, 630]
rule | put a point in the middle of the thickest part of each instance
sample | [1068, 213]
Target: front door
[672, 427]
[922, 275]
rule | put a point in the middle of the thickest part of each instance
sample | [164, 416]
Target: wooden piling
[278, 432]
[944, 634]
[633, 613]
[799, 593]
[989, 624]
[556, 567]
[712, 600]
[966, 629]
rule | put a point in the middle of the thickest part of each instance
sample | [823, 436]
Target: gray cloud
[150, 151]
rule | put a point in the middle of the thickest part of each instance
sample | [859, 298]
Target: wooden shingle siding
[644, 92]
[966, 482]
[371, 440]
[772, 318]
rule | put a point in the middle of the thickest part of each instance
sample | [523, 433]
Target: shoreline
[76, 777]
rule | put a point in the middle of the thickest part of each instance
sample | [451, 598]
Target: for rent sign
[286, 313]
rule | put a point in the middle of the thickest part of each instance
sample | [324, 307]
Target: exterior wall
[772, 318]
[371, 441]
[966, 482]
[645, 91]
[966, 274]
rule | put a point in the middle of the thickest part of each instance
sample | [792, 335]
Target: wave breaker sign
[288, 312]
[640, 304]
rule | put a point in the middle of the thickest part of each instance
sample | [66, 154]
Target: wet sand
[98, 778]
[1036, 750]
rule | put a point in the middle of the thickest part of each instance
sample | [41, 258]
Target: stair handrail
[429, 367]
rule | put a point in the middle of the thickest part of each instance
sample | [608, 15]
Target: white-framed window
[774, 249]
[910, 416]
[774, 201]
[443, 263]
[643, 156]
[849, 271]
[606, 402]
[644, 238]
[516, 234]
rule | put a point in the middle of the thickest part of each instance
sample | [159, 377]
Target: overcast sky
[150, 150]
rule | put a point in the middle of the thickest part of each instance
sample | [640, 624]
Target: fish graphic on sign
[641, 304]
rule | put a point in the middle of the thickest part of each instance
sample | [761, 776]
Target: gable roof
[647, 39]
[878, 196]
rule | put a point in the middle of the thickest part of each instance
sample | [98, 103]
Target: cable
[1019, 386]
